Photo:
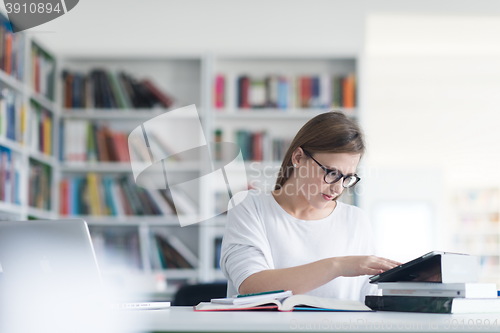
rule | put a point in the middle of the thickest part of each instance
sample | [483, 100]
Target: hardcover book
[291, 303]
[433, 304]
[435, 266]
[467, 290]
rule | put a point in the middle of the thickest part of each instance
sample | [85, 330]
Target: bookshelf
[260, 102]
[136, 231]
[27, 116]
[477, 226]
[66, 107]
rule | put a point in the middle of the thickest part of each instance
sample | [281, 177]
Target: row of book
[169, 252]
[119, 248]
[11, 50]
[432, 297]
[43, 72]
[40, 185]
[94, 194]
[41, 129]
[90, 141]
[12, 115]
[261, 146]
[276, 91]
[109, 90]
[10, 187]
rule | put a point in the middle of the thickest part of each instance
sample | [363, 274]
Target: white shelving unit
[22, 160]
[181, 77]
[282, 123]
[190, 80]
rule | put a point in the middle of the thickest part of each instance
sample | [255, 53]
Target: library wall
[433, 111]
[219, 26]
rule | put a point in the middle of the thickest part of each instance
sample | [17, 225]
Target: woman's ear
[297, 156]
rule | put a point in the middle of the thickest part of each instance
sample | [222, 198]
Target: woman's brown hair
[329, 132]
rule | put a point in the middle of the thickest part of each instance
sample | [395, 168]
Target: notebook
[43, 259]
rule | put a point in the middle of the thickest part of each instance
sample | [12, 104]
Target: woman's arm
[303, 278]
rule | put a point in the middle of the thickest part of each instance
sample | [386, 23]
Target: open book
[295, 302]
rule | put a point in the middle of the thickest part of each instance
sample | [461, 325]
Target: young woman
[300, 237]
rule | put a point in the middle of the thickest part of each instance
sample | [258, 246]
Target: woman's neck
[297, 205]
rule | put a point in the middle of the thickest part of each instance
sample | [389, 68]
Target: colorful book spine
[10, 168]
[219, 91]
[43, 72]
[40, 185]
[260, 146]
[41, 130]
[275, 91]
[91, 141]
[12, 116]
[94, 194]
[102, 89]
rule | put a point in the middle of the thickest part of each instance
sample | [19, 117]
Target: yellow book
[47, 134]
[94, 195]
[22, 123]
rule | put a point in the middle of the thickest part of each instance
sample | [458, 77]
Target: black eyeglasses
[334, 175]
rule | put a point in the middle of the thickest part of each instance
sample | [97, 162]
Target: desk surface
[180, 319]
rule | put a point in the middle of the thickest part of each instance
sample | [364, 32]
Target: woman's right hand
[362, 265]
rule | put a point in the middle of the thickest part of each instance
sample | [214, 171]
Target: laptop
[45, 259]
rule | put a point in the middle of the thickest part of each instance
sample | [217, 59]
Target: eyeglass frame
[327, 171]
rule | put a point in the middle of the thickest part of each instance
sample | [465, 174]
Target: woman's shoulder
[248, 199]
[351, 211]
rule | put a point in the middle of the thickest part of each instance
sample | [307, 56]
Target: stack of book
[437, 282]
[435, 297]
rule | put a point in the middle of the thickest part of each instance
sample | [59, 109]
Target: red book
[37, 74]
[305, 91]
[245, 92]
[64, 195]
[257, 150]
[164, 99]
[219, 91]
[121, 145]
[102, 148]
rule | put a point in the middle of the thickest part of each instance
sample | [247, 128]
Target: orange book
[8, 53]
[349, 91]
[64, 197]
[305, 91]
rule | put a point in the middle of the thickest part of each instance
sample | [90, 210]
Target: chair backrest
[192, 294]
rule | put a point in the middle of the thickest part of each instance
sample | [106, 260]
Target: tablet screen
[426, 268]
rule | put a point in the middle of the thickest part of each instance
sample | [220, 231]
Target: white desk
[180, 319]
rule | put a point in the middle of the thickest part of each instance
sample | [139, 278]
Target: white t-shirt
[261, 235]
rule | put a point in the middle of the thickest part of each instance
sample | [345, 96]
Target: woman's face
[310, 176]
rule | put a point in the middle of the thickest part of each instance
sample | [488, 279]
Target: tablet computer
[426, 268]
